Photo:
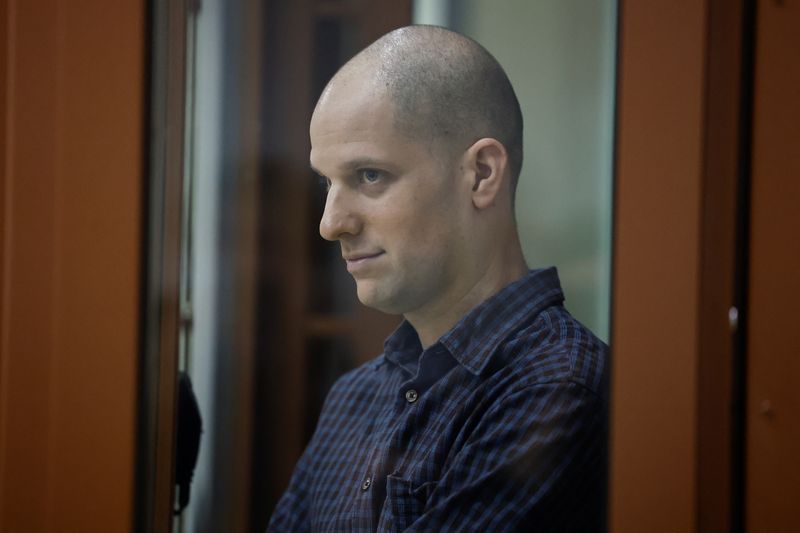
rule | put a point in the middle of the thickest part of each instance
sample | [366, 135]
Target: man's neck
[434, 321]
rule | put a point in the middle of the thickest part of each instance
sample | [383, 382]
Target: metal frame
[161, 267]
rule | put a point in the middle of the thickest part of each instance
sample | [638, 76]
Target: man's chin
[377, 298]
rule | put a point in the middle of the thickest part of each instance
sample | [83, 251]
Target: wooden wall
[71, 139]
[656, 266]
[773, 339]
[707, 175]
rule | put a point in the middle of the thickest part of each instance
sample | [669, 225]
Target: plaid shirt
[501, 425]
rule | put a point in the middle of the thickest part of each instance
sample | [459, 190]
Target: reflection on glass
[200, 262]
[560, 58]
[309, 327]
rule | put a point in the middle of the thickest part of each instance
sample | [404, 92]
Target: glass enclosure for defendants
[269, 317]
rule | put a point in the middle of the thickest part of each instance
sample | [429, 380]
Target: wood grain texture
[72, 148]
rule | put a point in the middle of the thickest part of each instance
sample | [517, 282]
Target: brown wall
[773, 362]
[680, 115]
[72, 159]
[656, 266]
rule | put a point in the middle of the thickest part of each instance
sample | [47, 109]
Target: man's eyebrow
[353, 164]
[362, 162]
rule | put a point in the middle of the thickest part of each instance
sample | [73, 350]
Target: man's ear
[487, 160]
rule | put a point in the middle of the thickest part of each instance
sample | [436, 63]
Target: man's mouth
[359, 260]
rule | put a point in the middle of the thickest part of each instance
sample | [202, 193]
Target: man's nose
[338, 218]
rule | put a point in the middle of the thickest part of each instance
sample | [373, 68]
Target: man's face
[391, 204]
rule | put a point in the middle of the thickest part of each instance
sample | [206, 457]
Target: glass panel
[202, 177]
[218, 241]
[559, 55]
[270, 318]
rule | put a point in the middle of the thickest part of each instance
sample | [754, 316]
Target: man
[487, 409]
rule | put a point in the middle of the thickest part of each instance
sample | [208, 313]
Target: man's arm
[291, 513]
[536, 462]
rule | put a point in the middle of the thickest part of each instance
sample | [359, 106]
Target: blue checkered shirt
[501, 425]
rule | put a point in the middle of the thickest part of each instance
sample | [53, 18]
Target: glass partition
[560, 57]
[269, 318]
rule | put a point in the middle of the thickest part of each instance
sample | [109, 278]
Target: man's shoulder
[556, 347]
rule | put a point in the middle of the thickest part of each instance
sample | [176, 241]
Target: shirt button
[367, 482]
[411, 395]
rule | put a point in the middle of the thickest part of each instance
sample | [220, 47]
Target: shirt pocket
[405, 502]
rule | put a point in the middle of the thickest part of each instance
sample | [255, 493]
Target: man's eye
[370, 175]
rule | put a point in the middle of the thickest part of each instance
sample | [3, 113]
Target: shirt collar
[403, 347]
[475, 337]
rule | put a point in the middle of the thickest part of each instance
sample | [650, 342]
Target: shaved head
[445, 88]
[419, 141]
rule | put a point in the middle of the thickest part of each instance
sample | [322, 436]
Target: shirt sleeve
[295, 510]
[536, 462]
[291, 512]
